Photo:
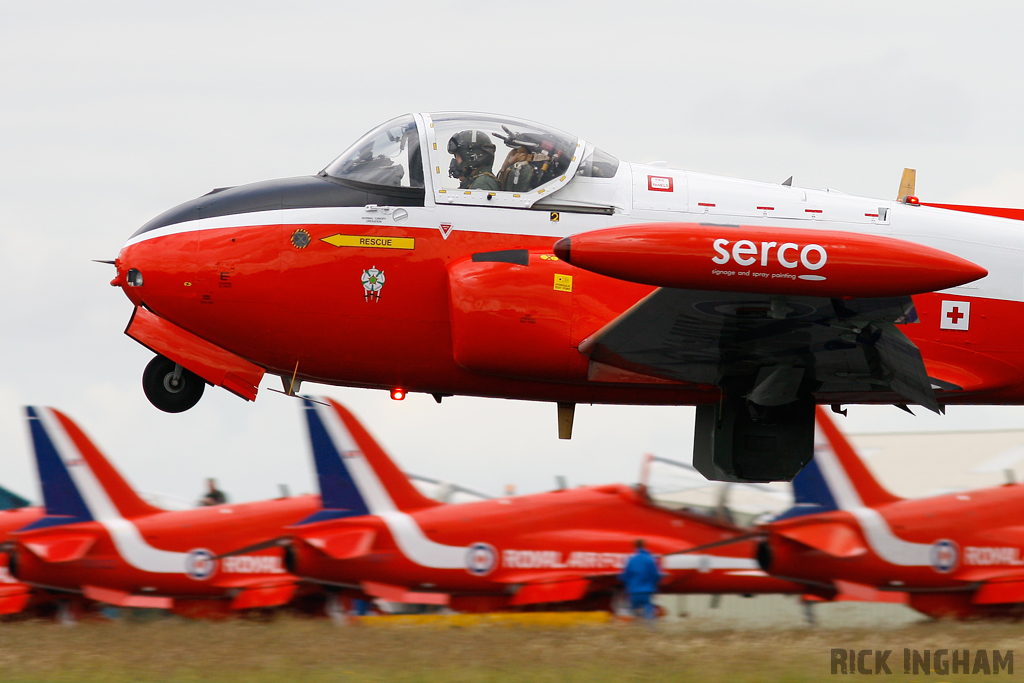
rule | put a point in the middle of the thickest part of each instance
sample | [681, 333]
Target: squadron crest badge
[373, 283]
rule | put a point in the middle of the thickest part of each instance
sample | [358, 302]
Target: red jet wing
[14, 597]
[1001, 590]
[836, 539]
[125, 599]
[551, 591]
[401, 594]
[264, 596]
[342, 545]
[61, 547]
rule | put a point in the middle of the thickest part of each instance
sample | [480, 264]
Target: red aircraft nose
[161, 271]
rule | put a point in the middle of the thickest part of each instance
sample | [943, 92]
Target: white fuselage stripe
[707, 562]
[407, 534]
[876, 530]
[421, 550]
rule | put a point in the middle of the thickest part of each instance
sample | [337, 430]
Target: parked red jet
[18, 598]
[100, 539]
[15, 596]
[413, 263]
[957, 555]
[379, 537]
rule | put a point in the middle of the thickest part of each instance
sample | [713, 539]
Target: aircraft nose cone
[562, 249]
[976, 272]
[119, 276]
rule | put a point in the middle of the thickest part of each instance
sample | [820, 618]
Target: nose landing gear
[170, 387]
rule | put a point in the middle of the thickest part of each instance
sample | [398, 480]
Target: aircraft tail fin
[10, 500]
[810, 493]
[844, 473]
[79, 484]
[356, 476]
[837, 478]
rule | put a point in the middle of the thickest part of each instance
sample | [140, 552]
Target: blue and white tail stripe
[811, 494]
[62, 500]
[339, 495]
[839, 486]
[75, 494]
[823, 485]
[830, 486]
[335, 447]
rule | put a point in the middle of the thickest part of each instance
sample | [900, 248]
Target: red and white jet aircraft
[419, 261]
[957, 555]
[377, 536]
[98, 538]
[15, 596]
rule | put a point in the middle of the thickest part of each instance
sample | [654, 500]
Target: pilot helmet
[475, 148]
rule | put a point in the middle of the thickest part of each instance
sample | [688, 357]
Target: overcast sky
[113, 112]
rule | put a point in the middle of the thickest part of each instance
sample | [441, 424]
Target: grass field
[314, 650]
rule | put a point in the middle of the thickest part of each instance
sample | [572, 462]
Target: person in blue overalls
[641, 576]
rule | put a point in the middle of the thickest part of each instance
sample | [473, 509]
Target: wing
[14, 597]
[838, 540]
[265, 594]
[996, 590]
[774, 334]
[61, 547]
[403, 594]
[845, 350]
[111, 596]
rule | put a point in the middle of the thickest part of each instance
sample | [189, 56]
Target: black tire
[158, 383]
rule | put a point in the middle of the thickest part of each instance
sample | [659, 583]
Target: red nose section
[768, 260]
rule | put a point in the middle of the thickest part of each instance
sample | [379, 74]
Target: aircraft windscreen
[388, 155]
[598, 165]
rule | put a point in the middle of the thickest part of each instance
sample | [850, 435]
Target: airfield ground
[288, 649]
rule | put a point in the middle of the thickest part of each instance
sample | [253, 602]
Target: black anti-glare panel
[286, 193]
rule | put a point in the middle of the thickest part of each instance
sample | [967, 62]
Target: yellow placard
[371, 241]
[563, 283]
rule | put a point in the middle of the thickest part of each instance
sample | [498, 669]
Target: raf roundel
[481, 559]
[945, 556]
[200, 564]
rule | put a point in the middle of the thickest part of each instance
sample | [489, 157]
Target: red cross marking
[955, 315]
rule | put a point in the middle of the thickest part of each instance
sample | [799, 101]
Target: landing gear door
[488, 160]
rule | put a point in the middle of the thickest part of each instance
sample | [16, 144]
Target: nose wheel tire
[170, 387]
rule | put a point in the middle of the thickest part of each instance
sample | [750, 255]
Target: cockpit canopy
[481, 159]
[387, 155]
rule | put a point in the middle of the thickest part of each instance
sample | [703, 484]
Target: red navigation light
[911, 199]
[397, 394]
